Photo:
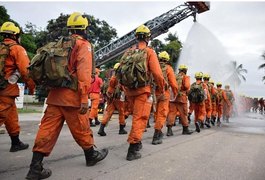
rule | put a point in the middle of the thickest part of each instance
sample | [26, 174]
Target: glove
[83, 108]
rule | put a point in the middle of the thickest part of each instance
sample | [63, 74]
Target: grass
[24, 110]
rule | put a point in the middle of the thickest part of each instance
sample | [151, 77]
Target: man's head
[10, 30]
[198, 75]
[183, 68]
[77, 24]
[163, 56]
[219, 85]
[206, 77]
[143, 33]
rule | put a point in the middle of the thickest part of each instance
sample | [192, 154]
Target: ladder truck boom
[157, 26]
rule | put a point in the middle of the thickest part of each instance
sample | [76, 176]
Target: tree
[236, 76]
[262, 66]
[100, 33]
[173, 48]
[3, 14]
[157, 45]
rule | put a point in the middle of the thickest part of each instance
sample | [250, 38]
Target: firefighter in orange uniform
[199, 108]
[14, 60]
[140, 97]
[214, 105]
[228, 109]
[162, 104]
[181, 103]
[68, 105]
[114, 101]
[221, 99]
[208, 102]
[94, 96]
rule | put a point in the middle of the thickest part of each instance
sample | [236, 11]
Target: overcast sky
[239, 26]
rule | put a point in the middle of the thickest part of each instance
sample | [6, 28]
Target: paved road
[233, 152]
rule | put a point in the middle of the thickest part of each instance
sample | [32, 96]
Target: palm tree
[236, 75]
[262, 66]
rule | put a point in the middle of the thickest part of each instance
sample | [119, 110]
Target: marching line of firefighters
[174, 105]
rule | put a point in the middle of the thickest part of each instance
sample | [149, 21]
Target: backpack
[229, 95]
[196, 93]
[49, 67]
[4, 52]
[163, 66]
[132, 72]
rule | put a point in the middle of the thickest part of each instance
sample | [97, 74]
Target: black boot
[91, 123]
[93, 156]
[218, 122]
[169, 131]
[207, 123]
[189, 114]
[122, 130]
[148, 124]
[157, 138]
[213, 120]
[202, 124]
[186, 130]
[101, 131]
[133, 153]
[139, 146]
[197, 125]
[36, 170]
[17, 145]
[97, 122]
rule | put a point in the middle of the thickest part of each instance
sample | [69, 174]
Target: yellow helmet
[9, 28]
[164, 56]
[182, 67]
[116, 66]
[143, 30]
[206, 76]
[198, 75]
[77, 21]
[219, 84]
[211, 81]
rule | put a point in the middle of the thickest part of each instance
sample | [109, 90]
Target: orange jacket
[221, 96]
[81, 61]
[184, 87]
[153, 68]
[171, 80]
[17, 59]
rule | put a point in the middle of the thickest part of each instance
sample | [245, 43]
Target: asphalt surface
[234, 151]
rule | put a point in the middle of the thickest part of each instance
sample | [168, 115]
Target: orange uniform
[64, 104]
[162, 106]
[199, 108]
[113, 104]
[94, 96]
[228, 108]
[16, 60]
[139, 97]
[221, 97]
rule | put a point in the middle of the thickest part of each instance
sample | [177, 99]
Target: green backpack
[4, 52]
[49, 67]
[196, 93]
[132, 72]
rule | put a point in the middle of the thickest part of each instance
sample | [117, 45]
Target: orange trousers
[95, 99]
[199, 111]
[162, 109]
[172, 114]
[9, 115]
[214, 110]
[127, 107]
[111, 107]
[140, 115]
[227, 110]
[219, 110]
[52, 123]
[208, 108]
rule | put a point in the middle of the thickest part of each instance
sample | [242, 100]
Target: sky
[238, 25]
